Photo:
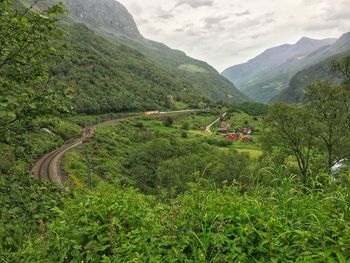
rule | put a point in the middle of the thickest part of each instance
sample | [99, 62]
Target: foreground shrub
[285, 224]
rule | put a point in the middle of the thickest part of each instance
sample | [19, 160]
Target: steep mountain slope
[110, 16]
[102, 16]
[265, 76]
[320, 71]
[111, 77]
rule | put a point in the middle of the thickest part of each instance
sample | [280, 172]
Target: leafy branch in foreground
[25, 49]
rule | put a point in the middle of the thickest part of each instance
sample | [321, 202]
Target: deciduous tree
[329, 105]
[292, 130]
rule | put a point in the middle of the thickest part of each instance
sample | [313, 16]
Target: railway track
[49, 168]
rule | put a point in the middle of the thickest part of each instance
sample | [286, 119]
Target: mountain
[110, 77]
[268, 74]
[106, 15]
[320, 71]
[111, 20]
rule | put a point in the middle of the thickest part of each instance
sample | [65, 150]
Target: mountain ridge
[199, 73]
[267, 75]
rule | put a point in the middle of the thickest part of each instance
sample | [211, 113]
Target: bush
[186, 126]
[139, 125]
[219, 142]
[184, 135]
[168, 122]
[285, 224]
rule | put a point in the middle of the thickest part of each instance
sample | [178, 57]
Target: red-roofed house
[233, 137]
[247, 138]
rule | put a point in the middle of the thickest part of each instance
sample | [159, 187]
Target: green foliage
[186, 126]
[26, 206]
[329, 105]
[218, 142]
[342, 67]
[155, 157]
[291, 129]
[192, 68]
[110, 77]
[287, 223]
[318, 129]
[168, 122]
[25, 46]
[209, 203]
[251, 108]
[323, 70]
[184, 135]
[198, 73]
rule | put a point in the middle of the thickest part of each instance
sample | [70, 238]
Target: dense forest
[110, 77]
[164, 188]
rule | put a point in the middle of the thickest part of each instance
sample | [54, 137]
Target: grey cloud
[184, 28]
[244, 13]
[164, 14]
[223, 32]
[321, 26]
[214, 21]
[343, 14]
[270, 21]
[136, 8]
[194, 3]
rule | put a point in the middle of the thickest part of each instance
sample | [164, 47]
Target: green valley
[115, 148]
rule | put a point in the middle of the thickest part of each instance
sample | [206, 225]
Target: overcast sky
[228, 32]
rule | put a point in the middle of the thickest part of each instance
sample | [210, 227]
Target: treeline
[316, 133]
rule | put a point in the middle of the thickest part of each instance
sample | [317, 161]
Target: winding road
[49, 166]
[214, 122]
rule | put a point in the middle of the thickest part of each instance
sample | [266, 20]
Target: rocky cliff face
[107, 15]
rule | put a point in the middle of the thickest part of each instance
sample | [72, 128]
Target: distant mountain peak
[306, 41]
[107, 15]
[269, 73]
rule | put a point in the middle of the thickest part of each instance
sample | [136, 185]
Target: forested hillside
[268, 75]
[199, 73]
[110, 77]
[298, 84]
[102, 18]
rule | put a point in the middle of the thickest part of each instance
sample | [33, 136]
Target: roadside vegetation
[163, 188]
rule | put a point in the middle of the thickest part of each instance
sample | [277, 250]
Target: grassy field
[192, 68]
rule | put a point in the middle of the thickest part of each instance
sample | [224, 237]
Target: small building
[233, 136]
[224, 128]
[247, 138]
[246, 131]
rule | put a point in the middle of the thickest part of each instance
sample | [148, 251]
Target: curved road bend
[214, 122]
[48, 167]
